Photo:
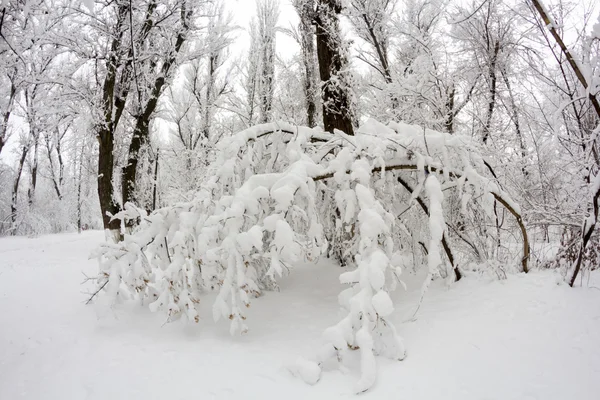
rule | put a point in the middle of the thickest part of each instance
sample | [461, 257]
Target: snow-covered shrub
[278, 193]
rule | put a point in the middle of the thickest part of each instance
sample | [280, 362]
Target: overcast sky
[244, 10]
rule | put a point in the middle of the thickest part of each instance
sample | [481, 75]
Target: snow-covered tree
[264, 204]
[259, 85]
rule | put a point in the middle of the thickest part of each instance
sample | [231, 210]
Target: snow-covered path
[524, 338]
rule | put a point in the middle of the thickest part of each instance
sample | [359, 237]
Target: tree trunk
[108, 206]
[34, 172]
[6, 116]
[155, 181]
[492, 99]
[79, 190]
[15, 191]
[307, 46]
[57, 182]
[449, 123]
[213, 62]
[114, 97]
[515, 118]
[139, 138]
[266, 79]
[335, 91]
[61, 164]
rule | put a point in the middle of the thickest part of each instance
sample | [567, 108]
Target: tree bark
[34, 171]
[7, 112]
[155, 181]
[588, 230]
[15, 191]
[449, 123]
[307, 46]
[79, 184]
[113, 103]
[335, 91]
[492, 99]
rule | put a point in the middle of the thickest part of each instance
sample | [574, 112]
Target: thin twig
[96, 292]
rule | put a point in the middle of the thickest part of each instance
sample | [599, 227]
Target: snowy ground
[524, 338]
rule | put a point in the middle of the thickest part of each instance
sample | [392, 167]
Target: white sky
[244, 10]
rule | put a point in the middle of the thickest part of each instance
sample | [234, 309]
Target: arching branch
[498, 195]
[447, 249]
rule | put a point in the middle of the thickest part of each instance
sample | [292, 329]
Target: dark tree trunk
[15, 191]
[307, 45]
[449, 123]
[515, 119]
[335, 91]
[108, 205]
[213, 63]
[57, 182]
[308, 48]
[586, 234]
[6, 116]
[34, 172]
[114, 96]
[155, 181]
[61, 164]
[140, 137]
[492, 99]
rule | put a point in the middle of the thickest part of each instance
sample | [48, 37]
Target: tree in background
[336, 86]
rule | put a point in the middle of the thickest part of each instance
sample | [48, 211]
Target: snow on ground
[524, 338]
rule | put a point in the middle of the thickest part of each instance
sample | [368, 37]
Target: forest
[394, 137]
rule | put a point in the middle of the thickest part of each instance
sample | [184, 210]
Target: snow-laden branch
[277, 194]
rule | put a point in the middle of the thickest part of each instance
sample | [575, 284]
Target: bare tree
[144, 39]
[371, 21]
[260, 82]
[590, 221]
[156, 71]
